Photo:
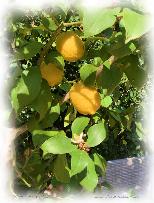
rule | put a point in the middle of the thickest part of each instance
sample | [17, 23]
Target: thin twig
[73, 24]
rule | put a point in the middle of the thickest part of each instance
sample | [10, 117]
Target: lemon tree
[78, 78]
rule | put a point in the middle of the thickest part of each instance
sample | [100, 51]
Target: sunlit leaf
[58, 144]
[96, 134]
[79, 125]
[27, 88]
[96, 20]
[136, 24]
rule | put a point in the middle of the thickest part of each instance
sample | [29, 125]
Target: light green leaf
[136, 24]
[58, 144]
[40, 136]
[98, 19]
[88, 74]
[60, 171]
[96, 134]
[42, 103]
[29, 50]
[27, 88]
[100, 162]
[106, 101]
[90, 182]
[79, 125]
[79, 160]
[97, 61]
[139, 130]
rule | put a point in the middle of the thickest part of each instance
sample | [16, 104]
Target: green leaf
[79, 125]
[88, 74]
[51, 116]
[54, 57]
[34, 169]
[27, 88]
[136, 75]
[97, 61]
[106, 101]
[100, 162]
[60, 171]
[139, 130]
[58, 144]
[69, 116]
[96, 134]
[40, 136]
[115, 115]
[90, 182]
[64, 6]
[98, 19]
[122, 50]
[49, 23]
[135, 24]
[66, 86]
[43, 101]
[29, 50]
[109, 78]
[79, 160]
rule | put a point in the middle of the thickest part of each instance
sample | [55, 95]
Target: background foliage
[45, 154]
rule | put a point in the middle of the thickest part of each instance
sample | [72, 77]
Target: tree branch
[73, 24]
[49, 43]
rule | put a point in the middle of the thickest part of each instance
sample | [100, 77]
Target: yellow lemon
[70, 46]
[85, 99]
[52, 73]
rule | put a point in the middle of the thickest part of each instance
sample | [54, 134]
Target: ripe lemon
[52, 73]
[70, 46]
[85, 99]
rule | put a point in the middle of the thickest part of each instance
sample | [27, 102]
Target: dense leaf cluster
[62, 146]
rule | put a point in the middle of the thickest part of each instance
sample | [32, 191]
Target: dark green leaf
[51, 116]
[135, 74]
[29, 50]
[60, 171]
[109, 78]
[49, 23]
[42, 103]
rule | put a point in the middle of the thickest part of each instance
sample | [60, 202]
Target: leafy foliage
[61, 146]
